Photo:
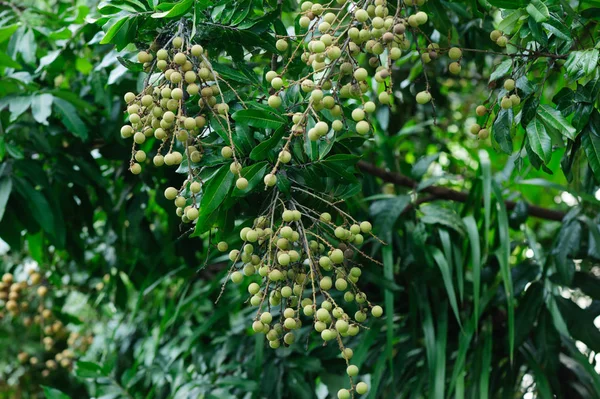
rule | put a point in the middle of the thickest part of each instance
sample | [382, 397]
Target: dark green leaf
[258, 118]
[501, 130]
[72, 121]
[539, 140]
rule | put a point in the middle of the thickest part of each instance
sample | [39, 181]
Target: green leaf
[582, 63]
[7, 31]
[41, 107]
[434, 214]
[508, 4]
[112, 28]
[590, 141]
[553, 120]
[262, 150]
[69, 117]
[37, 204]
[5, 189]
[501, 130]
[501, 70]
[442, 263]
[538, 10]
[6, 61]
[177, 10]
[539, 140]
[88, 370]
[503, 255]
[475, 245]
[213, 195]
[385, 213]
[258, 118]
[388, 273]
[52, 393]
[509, 23]
[254, 174]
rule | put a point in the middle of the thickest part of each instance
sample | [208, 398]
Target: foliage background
[68, 204]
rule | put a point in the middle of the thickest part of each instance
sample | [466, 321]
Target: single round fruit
[285, 156]
[136, 168]
[226, 152]
[361, 388]
[481, 110]
[502, 41]
[509, 85]
[352, 370]
[362, 127]
[516, 100]
[343, 394]
[361, 74]
[270, 180]
[483, 134]
[366, 227]
[177, 42]
[222, 246]
[421, 17]
[274, 101]
[282, 45]
[455, 53]
[377, 311]
[171, 193]
[506, 103]
[454, 68]
[423, 97]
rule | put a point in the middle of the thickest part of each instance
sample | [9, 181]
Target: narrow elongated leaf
[36, 203]
[539, 140]
[69, 117]
[7, 31]
[5, 189]
[503, 255]
[388, 273]
[486, 363]
[447, 277]
[258, 118]
[177, 10]
[213, 194]
[538, 10]
[501, 70]
[553, 119]
[52, 393]
[114, 29]
[473, 235]
[262, 150]
[590, 141]
[41, 107]
[501, 129]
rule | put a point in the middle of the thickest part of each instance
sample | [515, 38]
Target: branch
[449, 194]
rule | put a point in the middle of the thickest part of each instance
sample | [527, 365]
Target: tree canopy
[281, 199]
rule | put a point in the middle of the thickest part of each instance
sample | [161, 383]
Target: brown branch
[449, 194]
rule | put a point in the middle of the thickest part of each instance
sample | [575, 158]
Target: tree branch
[449, 194]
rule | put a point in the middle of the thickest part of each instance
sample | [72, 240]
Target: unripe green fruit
[241, 183]
[341, 284]
[505, 103]
[343, 394]
[412, 21]
[277, 83]
[515, 100]
[176, 77]
[177, 42]
[258, 326]
[222, 108]
[361, 388]
[502, 41]
[325, 262]
[362, 127]
[253, 288]
[286, 292]
[192, 213]
[358, 239]
[304, 22]
[282, 45]
[162, 54]
[377, 311]
[384, 97]
[136, 168]
[495, 35]
[366, 227]
[481, 110]
[274, 101]
[197, 50]
[483, 134]
[423, 97]
[285, 156]
[129, 97]
[283, 259]
[270, 180]
[454, 68]
[180, 202]
[226, 152]
[222, 246]
[337, 256]
[323, 315]
[361, 15]
[475, 128]
[358, 114]
[509, 85]
[321, 128]
[326, 283]
[158, 160]
[269, 76]
[237, 277]
[126, 131]
[289, 338]
[361, 74]
[252, 235]
[140, 156]
[455, 53]
[266, 318]
[147, 100]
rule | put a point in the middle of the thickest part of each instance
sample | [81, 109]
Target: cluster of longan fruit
[338, 36]
[17, 299]
[499, 38]
[296, 271]
[508, 101]
[160, 110]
